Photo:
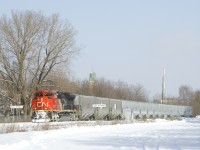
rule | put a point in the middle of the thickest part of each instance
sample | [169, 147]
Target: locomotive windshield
[48, 94]
[38, 94]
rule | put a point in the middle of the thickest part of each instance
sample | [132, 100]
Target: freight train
[48, 105]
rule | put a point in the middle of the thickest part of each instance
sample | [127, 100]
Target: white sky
[131, 40]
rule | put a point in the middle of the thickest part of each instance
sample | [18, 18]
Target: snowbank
[161, 134]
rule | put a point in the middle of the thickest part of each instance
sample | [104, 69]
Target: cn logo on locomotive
[41, 104]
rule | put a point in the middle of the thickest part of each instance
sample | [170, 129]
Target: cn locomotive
[48, 105]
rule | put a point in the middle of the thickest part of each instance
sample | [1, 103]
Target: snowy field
[158, 135]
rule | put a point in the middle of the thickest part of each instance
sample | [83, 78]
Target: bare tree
[196, 103]
[106, 88]
[31, 46]
[185, 94]
[115, 90]
[139, 93]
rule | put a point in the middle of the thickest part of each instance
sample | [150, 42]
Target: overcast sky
[132, 41]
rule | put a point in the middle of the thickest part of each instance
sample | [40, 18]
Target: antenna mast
[163, 86]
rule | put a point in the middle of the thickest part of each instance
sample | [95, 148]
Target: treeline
[101, 88]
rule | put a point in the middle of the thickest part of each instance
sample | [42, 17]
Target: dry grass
[14, 119]
[19, 127]
[45, 126]
[10, 127]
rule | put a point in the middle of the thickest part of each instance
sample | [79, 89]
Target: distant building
[92, 77]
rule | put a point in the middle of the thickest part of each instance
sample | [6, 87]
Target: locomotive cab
[67, 101]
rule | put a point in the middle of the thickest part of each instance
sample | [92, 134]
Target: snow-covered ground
[158, 135]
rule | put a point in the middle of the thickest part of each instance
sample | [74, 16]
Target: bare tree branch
[31, 46]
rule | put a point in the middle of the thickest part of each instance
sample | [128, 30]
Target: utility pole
[163, 87]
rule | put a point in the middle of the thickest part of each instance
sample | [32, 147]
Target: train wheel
[55, 117]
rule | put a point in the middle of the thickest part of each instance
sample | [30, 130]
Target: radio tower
[163, 87]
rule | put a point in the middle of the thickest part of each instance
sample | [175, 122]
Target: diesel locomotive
[49, 105]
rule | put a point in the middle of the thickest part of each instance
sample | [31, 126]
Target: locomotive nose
[40, 99]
